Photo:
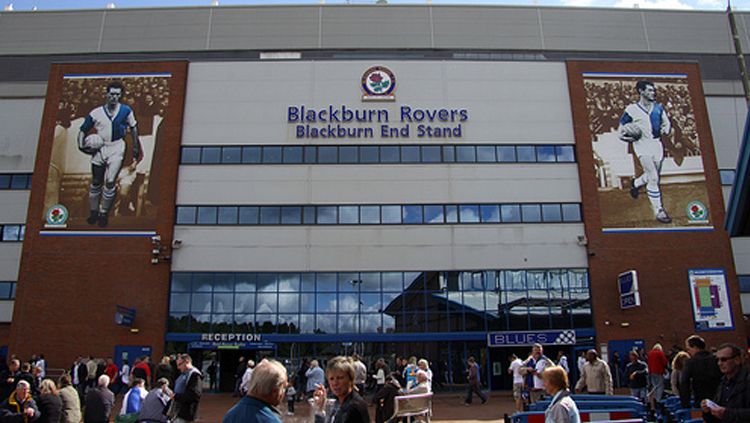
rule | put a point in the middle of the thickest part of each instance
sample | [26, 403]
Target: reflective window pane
[466, 154]
[311, 154]
[526, 153]
[190, 155]
[327, 215]
[409, 154]
[430, 154]
[531, 213]
[266, 303]
[271, 154]
[412, 214]
[328, 154]
[308, 215]
[727, 176]
[506, 153]
[510, 213]
[248, 215]
[485, 153]
[490, 213]
[469, 213]
[207, 215]
[391, 214]
[545, 153]
[186, 215]
[393, 281]
[369, 214]
[177, 302]
[348, 215]
[181, 282]
[449, 153]
[571, 212]
[211, 155]
[326, 282]
[289, 282]
[227, 215]
[434, 214]
[291, 215]
[369, 154]
[551, 213]
[289, 303]
[389, 154]
[292, 154]
[270, 215]
[231, 155]
[565, 153]
[348, 154]
[250, 154]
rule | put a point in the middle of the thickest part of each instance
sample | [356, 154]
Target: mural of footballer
[107, 150]
[643, 124]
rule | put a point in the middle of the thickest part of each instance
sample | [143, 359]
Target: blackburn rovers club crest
[57, 215]
[378, 83]
[697, 212]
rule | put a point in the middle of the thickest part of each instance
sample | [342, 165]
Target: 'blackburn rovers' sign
[544, 337]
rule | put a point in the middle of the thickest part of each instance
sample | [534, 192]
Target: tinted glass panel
[431, 154]
[545, 153]
[185, 215]
[211, 155]
[551, 213]
[531, 213]
[206, 215]
[5, 179]
[451, 214]
[391, 214]
[565, 153]
[526, 153]
[571, 212]
[231, 155]
[348, 154]
[271, 154]
[434, 214]
[485, 153]
[449, 153]
[410, 154]
[490, 213]
[506, 154]
[11, 232]
[727, 176]
[369, 214]
[348, 214]
[369, 154]
[469, 214]
[292, 154]
[250, 154]
[327, 215]
[466, 154]
[269, 215]
[311, 154]
[189, 155]
[389, 154]
[328, 154]
[291, 215]
[308, 215]
[248, 215]
[227, 215]
[412, 214]
[19, 182]
[511, 213]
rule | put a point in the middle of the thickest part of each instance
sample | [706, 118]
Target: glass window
[307, 303]
[231, 154]
[200, 303]
[412, 214]
[224, 282]
[291, 215]
[727, 176]
[506, 153]
[370, 282]
[328, 154]
[369, 214]
[308, 215]
[250, 154]
[391, 214]
[409, 154]
[270, 215]
[5, 178]
[430, 154]
[307, 323]
[7, 287]
[469, 213]
[289, 282]
[244, 303]
[449, 153]
[510, 213]
[181, 282]
[248, 215]
[545, 153]
[485, 154]
[531, 213]
[271, 154]
[551, 213]
[223, 303]
[22, 233]
[571, 212]
[369, 154]
[393, 281]
[466, 154]
[348, 154]
[292, 154]
[348, 282]
[434, 214]
[245, 282]
[207, 215]
[327, 215]
[526, 153]
[266, 303]
[19, 182]
[227, 215]
[744, 281]
[451, 214]
[203, 282]
[326, 282]
[389, 154]
[325, 323]
[177, 302]
[186, 215]
[325, 303]
[289, 303]
[311, 154]
[288, 323]
[211, 155]
[490, 213]
[190, 155]
[348, 214]
[565, 153]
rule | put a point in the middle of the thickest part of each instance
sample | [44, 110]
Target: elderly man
[423, 384]
[596, 377]
[187, 390]
[20, 406]
[733, 395]
[152, 410]
[265, 393]
[537, 363]
[99, 402]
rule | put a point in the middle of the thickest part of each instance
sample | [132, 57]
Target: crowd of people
[86, 393]
[716, 381]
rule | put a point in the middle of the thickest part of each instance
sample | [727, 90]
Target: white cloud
[654, 4]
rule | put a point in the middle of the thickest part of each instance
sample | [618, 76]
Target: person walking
[562, 408]
[596, 377]
[152, 409]
[474, 382]
[99, 402]
[71, 402]
[636, 372]
[657, 364]
[187, 390]
[701, 375]
[678, 365]
[315, 376]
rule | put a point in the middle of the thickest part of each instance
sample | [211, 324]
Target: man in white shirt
[515, 370]
[536, 391]
[562, 361]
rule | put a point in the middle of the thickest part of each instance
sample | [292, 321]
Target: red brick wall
[68, 287]
[661, 259]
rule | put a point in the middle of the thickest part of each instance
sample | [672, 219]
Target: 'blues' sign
[545, 337]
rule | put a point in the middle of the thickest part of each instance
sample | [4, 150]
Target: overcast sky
[25, 5]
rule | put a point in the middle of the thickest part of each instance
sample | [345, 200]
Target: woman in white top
[425, 367]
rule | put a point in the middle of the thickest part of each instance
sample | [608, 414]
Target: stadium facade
[441, 181]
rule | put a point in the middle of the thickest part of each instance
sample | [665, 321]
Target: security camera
[176, 243]
[582, 240]
[156, 239]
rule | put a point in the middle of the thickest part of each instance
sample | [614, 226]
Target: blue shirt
[251, 410]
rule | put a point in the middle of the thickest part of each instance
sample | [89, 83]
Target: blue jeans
[640, 393]
[657, 385]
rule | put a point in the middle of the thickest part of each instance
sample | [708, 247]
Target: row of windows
[15, 181]
[415, 214]
[12, 233]
[8, 290]
[352, 154]
[379, 302]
